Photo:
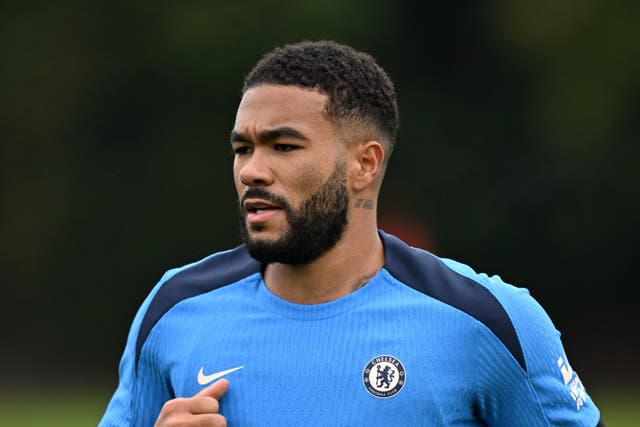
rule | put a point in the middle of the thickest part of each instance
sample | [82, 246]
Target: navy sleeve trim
[426, 273]
[210, 274]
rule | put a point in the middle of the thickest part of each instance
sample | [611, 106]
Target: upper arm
[546, 391]
[123, 408]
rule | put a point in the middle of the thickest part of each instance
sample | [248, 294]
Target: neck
[346, 267]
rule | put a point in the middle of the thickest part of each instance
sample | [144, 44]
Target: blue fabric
[427, 342]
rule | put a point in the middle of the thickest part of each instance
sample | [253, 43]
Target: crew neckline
[324, 310]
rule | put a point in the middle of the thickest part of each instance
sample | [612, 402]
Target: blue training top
[427, 342]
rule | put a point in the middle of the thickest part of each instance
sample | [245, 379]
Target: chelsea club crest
[384, 376]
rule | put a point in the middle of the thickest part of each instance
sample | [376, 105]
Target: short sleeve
[135, 392]
[546, 391]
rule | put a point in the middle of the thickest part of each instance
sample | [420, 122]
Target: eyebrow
[271, 134]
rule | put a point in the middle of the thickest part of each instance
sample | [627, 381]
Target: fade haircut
[360, 93]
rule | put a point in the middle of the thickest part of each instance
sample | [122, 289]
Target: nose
[254, 169]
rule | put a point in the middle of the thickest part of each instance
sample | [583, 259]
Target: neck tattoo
[363, 281]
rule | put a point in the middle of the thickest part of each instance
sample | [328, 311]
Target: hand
[199, 410]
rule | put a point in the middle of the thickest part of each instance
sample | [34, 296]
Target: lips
[259, 206]
[260, 211]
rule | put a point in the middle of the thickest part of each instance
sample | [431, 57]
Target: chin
[263, 235]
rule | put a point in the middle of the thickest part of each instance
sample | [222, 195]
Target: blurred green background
[517, 155]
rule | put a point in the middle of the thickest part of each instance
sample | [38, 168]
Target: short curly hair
[359, 91]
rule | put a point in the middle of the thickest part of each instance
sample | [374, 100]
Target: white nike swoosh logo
[206, 379]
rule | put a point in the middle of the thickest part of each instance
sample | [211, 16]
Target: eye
[284, 147]
[240, 150]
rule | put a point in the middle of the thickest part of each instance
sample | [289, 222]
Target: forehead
[270, 106]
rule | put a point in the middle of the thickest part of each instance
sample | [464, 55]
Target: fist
[199, 410]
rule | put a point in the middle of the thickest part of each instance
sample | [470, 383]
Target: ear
[369, 157]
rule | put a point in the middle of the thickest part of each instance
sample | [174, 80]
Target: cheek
[308, 180]
[236, 177]
[297, 189]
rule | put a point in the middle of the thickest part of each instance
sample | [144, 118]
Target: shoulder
[534, 365]
[490, 301]
[213, 272]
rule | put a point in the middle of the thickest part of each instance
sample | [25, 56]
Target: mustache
[260, 193]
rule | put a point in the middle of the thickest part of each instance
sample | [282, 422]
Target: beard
[313, 229]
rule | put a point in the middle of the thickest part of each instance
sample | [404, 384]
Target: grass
[82, 408]
[618, 408]
[65, 408]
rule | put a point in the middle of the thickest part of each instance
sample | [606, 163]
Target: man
[320, 318]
